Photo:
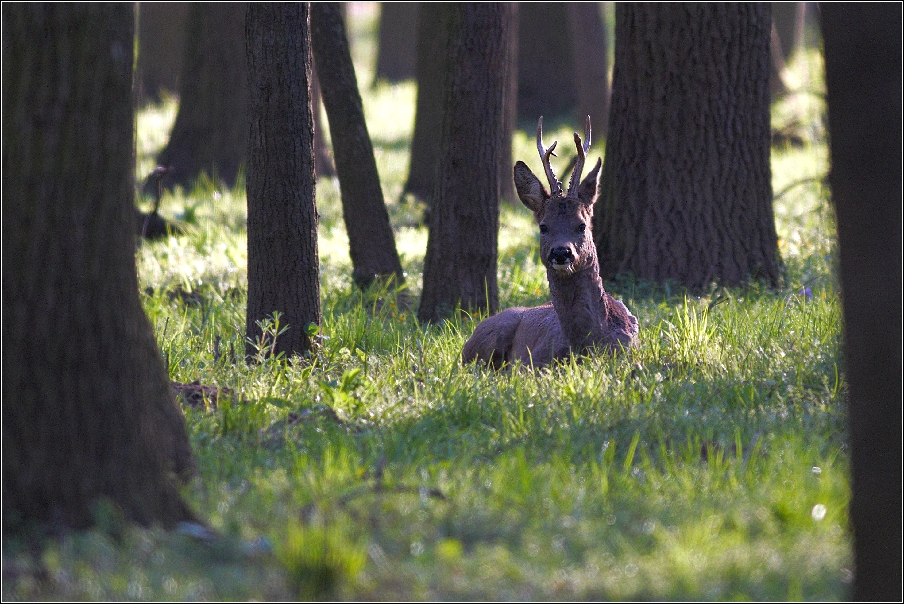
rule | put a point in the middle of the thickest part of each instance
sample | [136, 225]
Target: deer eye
[544, 229]
[581, 227]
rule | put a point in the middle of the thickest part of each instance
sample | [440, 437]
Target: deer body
[582, 315]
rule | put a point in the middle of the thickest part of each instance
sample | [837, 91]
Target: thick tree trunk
[396, 52]
[685, 193]
[283, 265]
[863, 79]
[371, 241]
[432, 66]
[460, 265]
[210, 134]
[88, 414]
[161, 49]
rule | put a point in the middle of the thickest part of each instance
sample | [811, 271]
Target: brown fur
[582, 315]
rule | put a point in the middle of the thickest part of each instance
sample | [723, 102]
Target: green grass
[710, 463]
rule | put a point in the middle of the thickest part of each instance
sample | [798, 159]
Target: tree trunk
[788, 17]
[460, 265]
[561, 75]
[88, 414]
[685, 193]
[432, 65]
[210, 134]
[396, 52]
[789, 32]
[323, 159]
[161, 49]
[777, 86]
[371, 241]
[283, 265]
[545, 62]
[589, 58]
[510, 115]
[863, 80]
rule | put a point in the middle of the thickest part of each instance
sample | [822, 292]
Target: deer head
[565, 218]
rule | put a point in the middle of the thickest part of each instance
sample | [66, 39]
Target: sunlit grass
[710, 463]
[154, 124]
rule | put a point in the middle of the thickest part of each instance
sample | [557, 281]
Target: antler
[554, 184]
[582, 155]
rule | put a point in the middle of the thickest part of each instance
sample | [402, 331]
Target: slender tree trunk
[685, 193]
[789, 21]
[562, 64]
[161, 49]
[432, 66]
[396, 52]
[784, 43]
[323, 159]
[777, 87]
[589, 56]
[88, 413]
[545, 62]
[787, 17]
[283, 265]
[210, 134]
[863, 79]
[460, 265]
[510, 115]
[371, 241]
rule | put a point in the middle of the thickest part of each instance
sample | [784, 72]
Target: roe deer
[582, 315]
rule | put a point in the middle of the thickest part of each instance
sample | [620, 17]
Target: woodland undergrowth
[710, 463]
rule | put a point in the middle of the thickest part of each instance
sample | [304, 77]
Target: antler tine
[554, 184]
[583, 149]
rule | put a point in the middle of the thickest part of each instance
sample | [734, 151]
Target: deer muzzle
[561, 259]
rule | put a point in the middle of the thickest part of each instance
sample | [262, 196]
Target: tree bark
[283, 264]
[788, 17]
[210, 134]
[323, 158]
[777, 86]
[371, 242]
[161, 49]
[589, 57]
[510, 114]
[88, 413]
[396, 51]
[431, 67]
[460, 264]
[863, 80]
[561, 76]
[545, 62]
[685, 193]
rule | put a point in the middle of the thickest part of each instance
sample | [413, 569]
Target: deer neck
[578, 301]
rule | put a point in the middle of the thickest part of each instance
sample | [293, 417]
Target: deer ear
[587, 191]
[529, 188]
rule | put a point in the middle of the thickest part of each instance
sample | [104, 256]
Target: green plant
[340, 394]
[319, 560]
[265, 345]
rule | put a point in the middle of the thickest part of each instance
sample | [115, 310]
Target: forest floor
[709, 464]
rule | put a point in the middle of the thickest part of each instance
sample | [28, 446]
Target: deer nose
[561, 255]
